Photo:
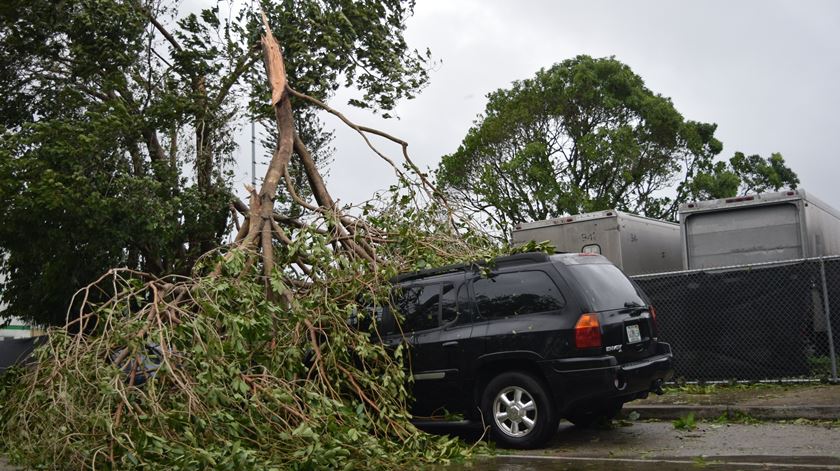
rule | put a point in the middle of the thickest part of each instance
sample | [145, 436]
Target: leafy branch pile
[250, 363]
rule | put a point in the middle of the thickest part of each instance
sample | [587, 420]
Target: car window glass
[605, 286]
[389, 324]
[419, 306]
[364, 316]
[516, 294]
[464, 306]
[448, 305]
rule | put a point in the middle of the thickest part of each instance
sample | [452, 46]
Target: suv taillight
[655, 327]
[588, 331]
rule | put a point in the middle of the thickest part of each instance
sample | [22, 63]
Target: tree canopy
[118, 120]
[583, 135]
[250, 362]
[741, 175]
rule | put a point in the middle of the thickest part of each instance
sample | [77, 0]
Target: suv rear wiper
[633, 308]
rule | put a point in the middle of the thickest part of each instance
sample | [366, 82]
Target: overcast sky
[768, 73]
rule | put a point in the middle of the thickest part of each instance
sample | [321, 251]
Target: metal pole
[253, 155]
[827, 309]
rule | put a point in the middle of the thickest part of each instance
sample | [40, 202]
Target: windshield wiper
[633, 307]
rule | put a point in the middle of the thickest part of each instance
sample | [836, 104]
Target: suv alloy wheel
[517, 408]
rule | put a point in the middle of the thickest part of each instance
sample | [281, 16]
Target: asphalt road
[661, 439]
[658, 445]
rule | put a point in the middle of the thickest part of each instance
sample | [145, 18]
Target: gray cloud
[765, 72]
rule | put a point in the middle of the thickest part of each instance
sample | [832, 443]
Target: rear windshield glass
[605, 286]
[516, 294]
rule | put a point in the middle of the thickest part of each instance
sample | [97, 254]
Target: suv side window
[464, 304]
[448, 305]
[419, 306]
[516, 294]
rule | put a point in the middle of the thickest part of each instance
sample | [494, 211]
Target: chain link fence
[772, 321]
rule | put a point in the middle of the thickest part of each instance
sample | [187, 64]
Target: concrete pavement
[651, 441]
[761, 402]
[660, 446]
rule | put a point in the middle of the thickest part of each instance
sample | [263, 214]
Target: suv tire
[585, 419]
[518, 410]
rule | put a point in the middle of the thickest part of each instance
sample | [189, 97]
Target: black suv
[527, 340]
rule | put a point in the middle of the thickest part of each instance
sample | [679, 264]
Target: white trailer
[636, 244]
[767, 227]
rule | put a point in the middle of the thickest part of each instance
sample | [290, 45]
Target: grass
[736, 417]
[820, 365]
[709, 389]
[689, 422]
[817, 423]
[685, 423]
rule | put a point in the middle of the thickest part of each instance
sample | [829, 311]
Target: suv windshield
[605, 286]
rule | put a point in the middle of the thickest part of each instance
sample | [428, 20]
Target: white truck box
[636, 244]
[767, 227]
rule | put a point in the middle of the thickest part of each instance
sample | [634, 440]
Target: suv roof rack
[507, 260]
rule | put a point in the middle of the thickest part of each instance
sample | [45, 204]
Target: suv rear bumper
[578, 381]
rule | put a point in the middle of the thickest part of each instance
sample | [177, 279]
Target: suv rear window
[516, 294]
[605, 286]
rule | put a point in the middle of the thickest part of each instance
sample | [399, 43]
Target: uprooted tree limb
[251, 363]
[263, 226]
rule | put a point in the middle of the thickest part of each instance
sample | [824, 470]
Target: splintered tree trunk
[261, 230]
[264, 211]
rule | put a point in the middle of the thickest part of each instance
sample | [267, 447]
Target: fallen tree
[250, 363]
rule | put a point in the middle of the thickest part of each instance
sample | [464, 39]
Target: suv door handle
[453, 343]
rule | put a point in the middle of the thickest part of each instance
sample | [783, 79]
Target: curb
[671, 412]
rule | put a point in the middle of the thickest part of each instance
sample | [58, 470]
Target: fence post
[827, 309]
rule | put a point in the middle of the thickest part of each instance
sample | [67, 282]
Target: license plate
[633, 334]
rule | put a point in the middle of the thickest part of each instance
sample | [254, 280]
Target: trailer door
[744, 235]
